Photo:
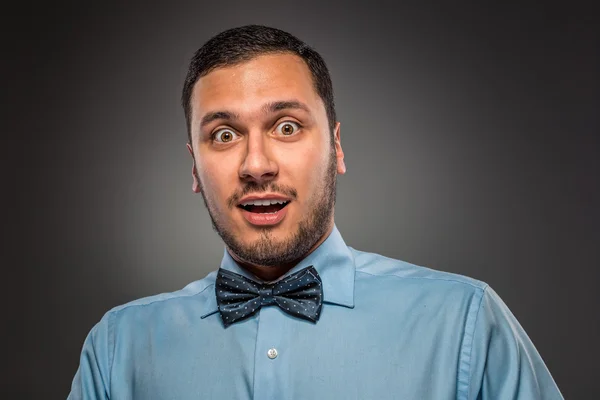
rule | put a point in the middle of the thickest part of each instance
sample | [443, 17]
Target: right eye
[224, 135]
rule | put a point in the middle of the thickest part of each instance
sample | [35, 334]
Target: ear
[196, 181]
[339, 153]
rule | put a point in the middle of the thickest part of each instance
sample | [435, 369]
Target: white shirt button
[272, 353]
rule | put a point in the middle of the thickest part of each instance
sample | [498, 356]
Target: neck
[272, 273]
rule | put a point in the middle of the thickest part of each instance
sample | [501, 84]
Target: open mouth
[264, 206]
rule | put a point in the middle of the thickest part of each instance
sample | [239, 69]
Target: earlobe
[339, 153]
[195, 180]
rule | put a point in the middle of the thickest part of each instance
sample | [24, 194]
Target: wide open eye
[224, 135]
[287, 128]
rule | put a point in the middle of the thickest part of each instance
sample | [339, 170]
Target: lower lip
[264, 219]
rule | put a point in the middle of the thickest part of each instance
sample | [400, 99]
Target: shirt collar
[332, 260]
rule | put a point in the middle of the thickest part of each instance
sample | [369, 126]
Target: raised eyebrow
[271, 107]
[284, 105]
[215, 115]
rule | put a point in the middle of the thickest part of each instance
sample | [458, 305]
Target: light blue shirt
[388, 330]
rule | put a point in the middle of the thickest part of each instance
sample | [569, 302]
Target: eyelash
[297, 126]
[213, 136]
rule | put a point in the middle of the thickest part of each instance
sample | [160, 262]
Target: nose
[258, 165]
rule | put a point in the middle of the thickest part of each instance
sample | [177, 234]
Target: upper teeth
[263, 202]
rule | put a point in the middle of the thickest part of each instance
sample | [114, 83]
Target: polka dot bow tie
[299, 294]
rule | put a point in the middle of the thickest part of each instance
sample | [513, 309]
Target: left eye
[287, 128]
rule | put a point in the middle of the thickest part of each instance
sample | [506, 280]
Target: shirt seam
[466, 351]
[428, 278]
[111, 323]
[126, 306]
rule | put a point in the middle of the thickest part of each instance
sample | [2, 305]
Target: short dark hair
[241, 44]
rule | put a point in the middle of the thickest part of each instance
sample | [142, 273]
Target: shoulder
[378, 267]
[198, 294]
[443, 302]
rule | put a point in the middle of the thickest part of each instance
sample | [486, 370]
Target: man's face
[260, 135]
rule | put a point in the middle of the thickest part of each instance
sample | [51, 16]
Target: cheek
[218, 178]
[305, 167]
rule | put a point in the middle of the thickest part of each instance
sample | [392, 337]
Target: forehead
[245, 87]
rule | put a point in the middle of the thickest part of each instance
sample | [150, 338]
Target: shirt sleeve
[91, 381]
[505, 363]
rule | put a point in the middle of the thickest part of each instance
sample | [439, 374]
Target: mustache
[253, 187]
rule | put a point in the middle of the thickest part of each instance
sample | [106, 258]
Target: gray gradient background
[471, 137]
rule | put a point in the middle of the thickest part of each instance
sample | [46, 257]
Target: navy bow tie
[299, 294]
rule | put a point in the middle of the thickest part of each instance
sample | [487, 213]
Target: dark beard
[265, 251]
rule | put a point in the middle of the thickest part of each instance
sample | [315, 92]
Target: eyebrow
[214, 115]
[268, 108]
[284, 105]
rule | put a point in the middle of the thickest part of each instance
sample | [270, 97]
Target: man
[292, 312]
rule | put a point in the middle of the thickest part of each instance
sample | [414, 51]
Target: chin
[277, 232]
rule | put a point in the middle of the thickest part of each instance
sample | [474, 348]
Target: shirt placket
[270, 361]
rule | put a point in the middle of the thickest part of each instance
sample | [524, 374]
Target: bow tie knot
[266, 295]
[299, 294]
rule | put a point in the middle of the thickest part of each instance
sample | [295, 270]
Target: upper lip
[276, 197]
